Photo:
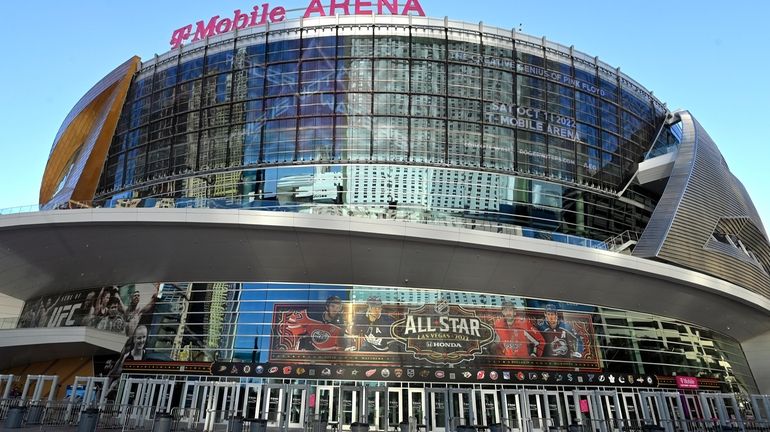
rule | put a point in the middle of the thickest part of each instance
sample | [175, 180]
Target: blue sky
[710, 57]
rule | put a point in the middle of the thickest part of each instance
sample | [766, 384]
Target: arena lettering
[560, 77]
[529, 118]
[263, 14]
[363, 7]
[259, 15]
[478, 59]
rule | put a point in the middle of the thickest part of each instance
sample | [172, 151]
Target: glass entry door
[273, 405]
[395, 404]
[543, 409]
[722, 406]
[284, 406]
[416, 405]
[296, 403]
[252, 396]
[449, 408]
[692, 408]
[211, 403]
[351, 406]
[145, 396]
[664, 409]
[438, 410]
[760, 405]
[599, 410]
[514, 410]
[376, 408]
[325, 404]
[461, 411]
[141, 392]
[487, 407]
[631, 411]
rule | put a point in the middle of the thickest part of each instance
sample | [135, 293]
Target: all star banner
[441, 334]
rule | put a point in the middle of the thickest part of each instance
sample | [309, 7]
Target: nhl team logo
[559, 347]
[442, 333]
[320, 336]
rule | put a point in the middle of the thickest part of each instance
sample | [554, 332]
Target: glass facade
[278, 323]
[505, 117]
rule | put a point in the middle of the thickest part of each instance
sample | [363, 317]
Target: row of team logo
[240, 369]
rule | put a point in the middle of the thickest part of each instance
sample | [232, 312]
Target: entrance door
[6, 383]
[449, 408]
[284, 406]
[514, 409]
[395, 404]
[664, 409]
[723, 407]
[94, 394]
[631, 411]
[438, 410]
[273, 405]
[487, 407]
[544, 409]
[94, 391]
[760, 405]
[376, 408]
[351, 406]
[296, 403]
[677, 410]
[141, 397]
[461, 409]
[416, 405]
[221, 402]
[325, 406]
[252, 396]
[600, 410]
[692, 408]
[210, 403]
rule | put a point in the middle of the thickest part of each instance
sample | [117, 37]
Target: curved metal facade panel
[101, 247]
[703, 197]
[78, 151]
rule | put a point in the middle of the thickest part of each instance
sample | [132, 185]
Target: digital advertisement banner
[433, 334]
[117, 309]
[124, 309]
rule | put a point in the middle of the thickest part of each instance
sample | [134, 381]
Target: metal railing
[59, 414]
[185, 418]
[50, 415]
[488, 221]
[622, 241]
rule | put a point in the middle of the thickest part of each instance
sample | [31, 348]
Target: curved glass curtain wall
[224, 321]
[368, 94]
[628, 342]
[472, 199]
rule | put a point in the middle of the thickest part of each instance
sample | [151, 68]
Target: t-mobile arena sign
[262, 14]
